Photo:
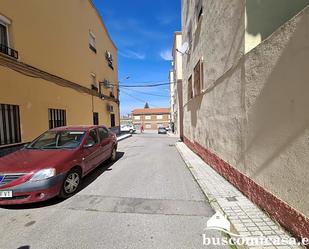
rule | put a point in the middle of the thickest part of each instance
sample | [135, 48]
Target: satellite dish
[184, 48]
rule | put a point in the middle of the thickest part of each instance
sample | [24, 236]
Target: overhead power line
[147, 85]
[145, 93]
[138, 99]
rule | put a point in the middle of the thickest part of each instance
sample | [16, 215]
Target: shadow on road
[87, 180]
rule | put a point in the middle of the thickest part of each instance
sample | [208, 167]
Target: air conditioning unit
[110, 108]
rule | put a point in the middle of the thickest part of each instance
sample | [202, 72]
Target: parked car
[127, 128]
[54, 163]
[162, 130]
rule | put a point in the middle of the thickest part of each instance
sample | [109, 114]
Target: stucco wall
[253, 110]
[35, 96]
[177, 89]
[263, 17]
[54, 36]
[276, 86]
[219, 39]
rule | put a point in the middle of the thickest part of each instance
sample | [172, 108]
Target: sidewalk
[245, 217]
[123, 136]
[171, 134]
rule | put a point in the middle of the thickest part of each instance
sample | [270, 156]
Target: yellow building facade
[58, 66]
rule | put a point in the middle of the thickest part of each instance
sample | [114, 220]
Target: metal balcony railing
[8, 51]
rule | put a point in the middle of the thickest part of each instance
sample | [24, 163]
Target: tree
[146, 105]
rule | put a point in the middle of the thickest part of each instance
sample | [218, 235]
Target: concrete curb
[122, 137]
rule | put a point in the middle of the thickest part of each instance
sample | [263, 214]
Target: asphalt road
[147, 199]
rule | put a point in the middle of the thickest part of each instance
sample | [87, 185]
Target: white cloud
[132, 55]
[166, 19]
[166, 55]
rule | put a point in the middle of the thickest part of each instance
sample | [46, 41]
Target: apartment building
[58, 66]
[151, 118]
[126, 119]
[245, 91]
[176, 85]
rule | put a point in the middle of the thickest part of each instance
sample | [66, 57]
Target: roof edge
[102, 21]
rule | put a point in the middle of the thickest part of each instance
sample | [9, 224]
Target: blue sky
[143, 33]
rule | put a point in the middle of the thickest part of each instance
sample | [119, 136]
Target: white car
[127, 128]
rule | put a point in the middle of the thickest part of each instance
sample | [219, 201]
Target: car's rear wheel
[71, 183]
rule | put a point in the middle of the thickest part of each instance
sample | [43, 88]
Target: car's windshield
[58, 140]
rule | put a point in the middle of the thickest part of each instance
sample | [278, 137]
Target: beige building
[58, 66]
[246, 88]
[176, 85]
[151, 118]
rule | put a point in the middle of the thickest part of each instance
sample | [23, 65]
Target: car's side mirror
[89, 144]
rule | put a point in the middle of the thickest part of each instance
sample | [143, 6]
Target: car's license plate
[6, 194]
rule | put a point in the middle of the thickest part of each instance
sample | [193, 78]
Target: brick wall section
[285, 215]
[153, 122]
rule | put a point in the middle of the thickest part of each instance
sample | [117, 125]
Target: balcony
[8, 51]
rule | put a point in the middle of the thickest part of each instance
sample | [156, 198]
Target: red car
[54, 163]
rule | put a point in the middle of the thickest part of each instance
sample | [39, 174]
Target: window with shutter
[92, 43]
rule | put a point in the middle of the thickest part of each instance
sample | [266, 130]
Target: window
[103, 133]
[199, 10]
[95, 118]
[92, 43]
[137, 117]
[94, 82]
[3, 34]
[9, 124]
[4, 31]
[197, 79]
[5, 39]
[190, 92]
[92, 138]
[56, 118]
[148, 117]
[189, 35]
[113, 123]
[202, 74]
[58, 140]
[148, 126]
[159, 125]
[109, 58]
[159, 116]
